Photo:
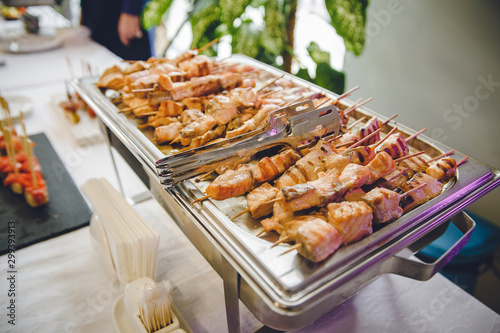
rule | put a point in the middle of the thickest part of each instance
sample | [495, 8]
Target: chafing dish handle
[421, 271]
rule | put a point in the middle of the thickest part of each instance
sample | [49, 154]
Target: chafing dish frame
[310, 290]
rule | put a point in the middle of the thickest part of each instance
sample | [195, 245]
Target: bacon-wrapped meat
[395, 145]
[371, 126]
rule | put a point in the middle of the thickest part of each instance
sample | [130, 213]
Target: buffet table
[62, 286]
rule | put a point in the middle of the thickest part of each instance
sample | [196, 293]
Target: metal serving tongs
[276, 123]
[300, 129]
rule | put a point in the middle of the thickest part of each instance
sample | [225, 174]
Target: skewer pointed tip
[366, 138]
[200, 199]
[240, 213]
[347, 93]
[408, 156]
[463, 160]
[294, 247]
[282, 240]
[385, 137]
[416, 134]
[441, 156]
[260, 232]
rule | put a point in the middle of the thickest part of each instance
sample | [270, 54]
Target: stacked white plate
[125, 237]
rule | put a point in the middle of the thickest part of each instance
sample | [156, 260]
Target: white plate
[125, 325]
[31, 43]
[17, 105]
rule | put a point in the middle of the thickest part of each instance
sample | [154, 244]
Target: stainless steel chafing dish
[288, 292]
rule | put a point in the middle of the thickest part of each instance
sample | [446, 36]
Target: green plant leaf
[303, 73]
[231, 9]
[329, 78]
[204, 23]
[349, 19]
[317, 54]
[246, 39]
[273, 34]
[153, 12]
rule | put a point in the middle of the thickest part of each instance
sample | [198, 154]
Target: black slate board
[66, 211]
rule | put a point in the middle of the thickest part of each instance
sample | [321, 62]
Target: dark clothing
[101, 17]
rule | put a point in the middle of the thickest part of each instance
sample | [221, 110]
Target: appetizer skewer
[20, 171]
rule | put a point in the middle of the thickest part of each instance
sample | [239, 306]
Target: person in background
[116, 24]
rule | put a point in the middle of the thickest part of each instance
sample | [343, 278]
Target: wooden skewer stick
[360, 105]
[347, 129]
[144, 125]
[143, 90]
[260, 232]
[352, 107]
[366, 138]
[154, 139]
[441, 156]
[336, 138]
[283, 240]
[7, 115]
[409, 156]
[29, 150]
[129, 109]
[365, 102]
[347, 93]
[411, 191]
[240, 213]
[274, 200]
[270, 93]
[198, 179]
[463, 160]
[177, 139]
[388, 120]
[147, 114]
[270, 82]
[345, 144]
[7, 133]
[206, 46]
[416, 134]
[221, 66]
[294, 247]
[385, 137]
[397, 175]
[9, 147]
[300, 98]
[323, 103]
[200, 199]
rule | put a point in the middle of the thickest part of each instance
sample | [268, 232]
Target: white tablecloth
[61, 285]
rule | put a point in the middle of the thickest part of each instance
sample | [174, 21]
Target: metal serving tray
[287, 291]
